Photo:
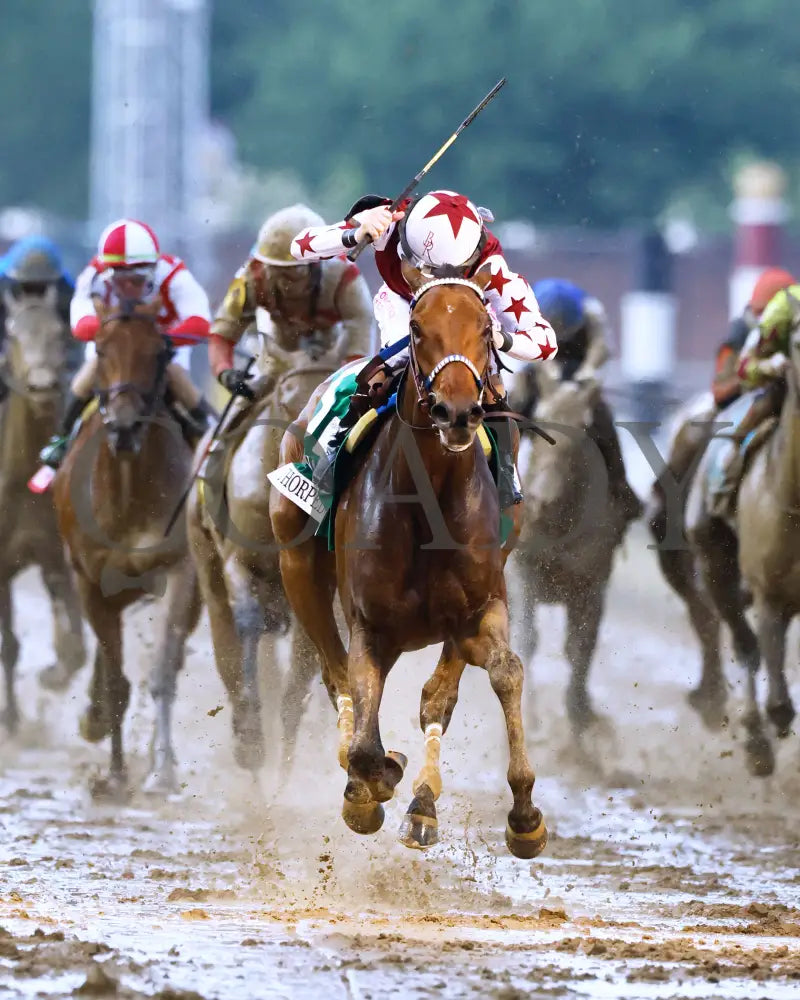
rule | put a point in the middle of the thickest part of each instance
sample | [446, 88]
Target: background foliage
[615, 110]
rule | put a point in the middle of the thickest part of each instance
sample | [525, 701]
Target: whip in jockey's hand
[375, 222]
[442, 234]
[235, 381]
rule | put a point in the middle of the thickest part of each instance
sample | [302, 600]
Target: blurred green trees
[614, 109]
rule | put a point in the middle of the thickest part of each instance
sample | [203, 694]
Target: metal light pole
[150, 110]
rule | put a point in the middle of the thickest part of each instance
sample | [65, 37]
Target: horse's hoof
[420, 828]
[93, 726]
[249, 751]
[364, 819]
[248, 738]
[781, 716]
[9, 720]
[57, 677]
[760, 757]
[111, 788]
[527, 845]
[162, 780]
[710, 706]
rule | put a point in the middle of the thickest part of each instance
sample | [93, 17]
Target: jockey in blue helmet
[581, 328]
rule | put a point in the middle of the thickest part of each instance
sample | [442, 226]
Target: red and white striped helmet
[126, 243]
[442, 227]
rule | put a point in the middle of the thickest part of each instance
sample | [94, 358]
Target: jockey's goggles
[134, 272]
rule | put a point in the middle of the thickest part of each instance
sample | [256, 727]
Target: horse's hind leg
[420, 828]
[678, 568]
[182, 612]
[67, 628]
[526, 833]
[9, 653]
[372, 774]
[772, 625]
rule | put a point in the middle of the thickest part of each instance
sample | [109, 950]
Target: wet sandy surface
[670, 871]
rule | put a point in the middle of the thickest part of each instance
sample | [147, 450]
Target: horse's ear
[10, 303]
[548, 378]
[413, 277]
[482, 278]
[102, 309]
[51, 296]
[152, 308]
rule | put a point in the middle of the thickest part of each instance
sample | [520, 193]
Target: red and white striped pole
[759, 212]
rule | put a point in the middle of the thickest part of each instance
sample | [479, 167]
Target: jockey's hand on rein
[235, 381]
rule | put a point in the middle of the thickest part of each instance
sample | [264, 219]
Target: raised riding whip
[206, 450]
[362, 244]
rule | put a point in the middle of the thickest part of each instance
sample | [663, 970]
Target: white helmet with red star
[441, 228]
[127, 243]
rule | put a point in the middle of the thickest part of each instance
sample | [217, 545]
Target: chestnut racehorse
[114, 494]
[411, 574]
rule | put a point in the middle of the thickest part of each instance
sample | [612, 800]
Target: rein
[149, 398]
[424, 383]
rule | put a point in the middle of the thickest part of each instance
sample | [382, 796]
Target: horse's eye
[416, 329]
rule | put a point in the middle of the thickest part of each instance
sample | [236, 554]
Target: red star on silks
[547, 349]
[517, 308]
[305, 244]
[455, 207]
[347, 224]
[498, 281]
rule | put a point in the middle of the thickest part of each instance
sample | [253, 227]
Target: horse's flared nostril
[475, 414]
[442, 414]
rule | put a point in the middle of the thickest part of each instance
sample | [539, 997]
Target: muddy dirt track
[670, 872]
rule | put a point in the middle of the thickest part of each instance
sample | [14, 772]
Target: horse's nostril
[475, 413]
[440, 413]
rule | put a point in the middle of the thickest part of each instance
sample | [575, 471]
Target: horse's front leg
[526, 833]
[67, 626]
[420, 827]
[372, 775]
[772, 625]
[9, 653]
[105, 619]
[182, 612]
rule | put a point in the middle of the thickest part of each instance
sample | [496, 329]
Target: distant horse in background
[760, 548]
[114, 494]
[34, 369]
[571, 530]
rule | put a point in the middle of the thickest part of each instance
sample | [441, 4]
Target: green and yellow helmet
[275, 237]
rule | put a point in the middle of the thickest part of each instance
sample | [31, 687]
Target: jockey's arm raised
[526, 335]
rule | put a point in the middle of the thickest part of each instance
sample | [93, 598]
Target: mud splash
[670, 872]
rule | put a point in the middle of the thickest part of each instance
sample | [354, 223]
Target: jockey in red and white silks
[438, 229]
[130, 264]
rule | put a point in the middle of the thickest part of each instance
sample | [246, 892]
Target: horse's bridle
[424, 383]
[149, 398]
